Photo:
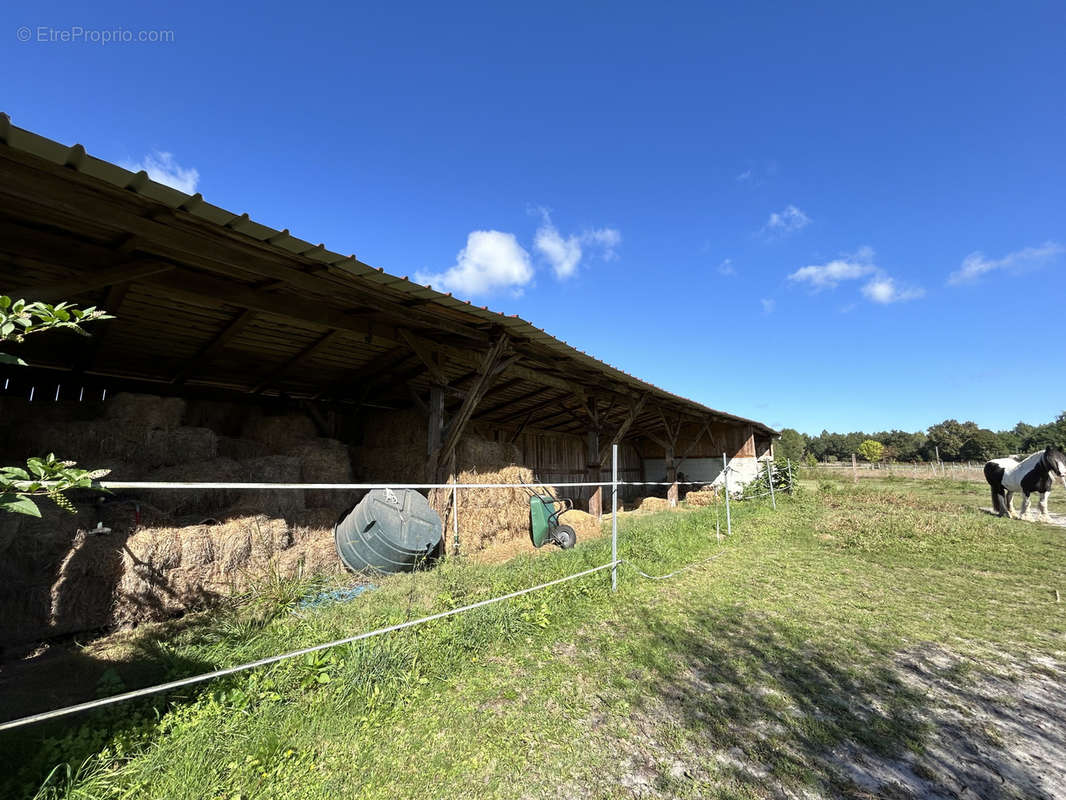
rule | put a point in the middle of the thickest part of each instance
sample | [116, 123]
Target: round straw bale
[147, 410]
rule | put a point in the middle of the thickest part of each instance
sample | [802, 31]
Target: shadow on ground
[766, 713]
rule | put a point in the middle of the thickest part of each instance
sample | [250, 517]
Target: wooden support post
[486, 375]
[854, 470]
[671, 475]
[592, 473]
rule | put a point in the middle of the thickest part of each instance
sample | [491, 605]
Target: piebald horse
[1007, 476]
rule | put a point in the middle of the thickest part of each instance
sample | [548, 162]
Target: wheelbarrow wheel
[565, 537]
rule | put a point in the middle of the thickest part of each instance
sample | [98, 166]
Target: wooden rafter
[634, 411]
[98, 279]
[425, 354]
[474, 395]
[268, 380]
[212, 348]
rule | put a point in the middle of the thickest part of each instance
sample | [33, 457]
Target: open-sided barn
[254, 328]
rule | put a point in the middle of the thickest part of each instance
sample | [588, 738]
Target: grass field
[885, 639]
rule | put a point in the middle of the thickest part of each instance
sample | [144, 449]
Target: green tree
[982, 446]
[48, 476]
[948, 437]
[871, 450]
[791, 445]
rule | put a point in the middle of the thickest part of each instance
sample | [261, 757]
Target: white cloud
[881, 288]
[162, 168]
[768, 305]
[828, 275]
[884, 290]
[491, 261]
[790, 220]
[976, 264]
[564, 254]
[744, 177]
[726, 267]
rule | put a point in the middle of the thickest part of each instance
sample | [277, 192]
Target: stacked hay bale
[494, 524]
[171, 571]
[702, 497]
[170, 550]
[393, 449]
[38, 558]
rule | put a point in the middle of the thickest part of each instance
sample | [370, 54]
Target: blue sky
[823, 215]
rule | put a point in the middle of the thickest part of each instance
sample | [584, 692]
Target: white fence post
[770, 480]
[614, 517]
[788, 463]
[455, 513]
[728, 521]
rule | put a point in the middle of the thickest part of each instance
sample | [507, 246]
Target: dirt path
[1052, 518]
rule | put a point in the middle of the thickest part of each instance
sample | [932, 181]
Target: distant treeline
[956, 441]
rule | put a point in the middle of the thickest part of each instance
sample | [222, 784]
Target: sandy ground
[994, 729]
[1052, 517]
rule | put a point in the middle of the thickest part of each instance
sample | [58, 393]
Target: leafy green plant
[19, 319]
[48, 476]
[43, 477]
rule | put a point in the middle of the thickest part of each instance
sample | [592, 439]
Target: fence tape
[686, 568]
[166, 687]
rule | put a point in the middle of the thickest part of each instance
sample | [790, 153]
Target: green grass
[722, 682]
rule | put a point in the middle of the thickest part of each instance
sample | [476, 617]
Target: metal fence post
[614, 517]
[728, 521]
[770, 480]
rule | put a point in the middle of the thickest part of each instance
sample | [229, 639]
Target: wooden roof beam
[212, 348]
[279, 371]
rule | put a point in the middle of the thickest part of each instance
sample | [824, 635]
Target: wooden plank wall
[559, 458]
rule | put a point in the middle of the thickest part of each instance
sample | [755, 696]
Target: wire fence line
[612, 565]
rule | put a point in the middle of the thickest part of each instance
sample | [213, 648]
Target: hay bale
[171, 571]
[584, 524]
[653, 505]
[195, 501]
[384, 464]
[481, 455]
[270, 469]
[702, 497]
[281, 432]
[33, 551]
[146, 410]
[180, 445]
[242, 449]
[486, 516]
[313, 550]
[82, 597]
[398, 430]
[325, 461]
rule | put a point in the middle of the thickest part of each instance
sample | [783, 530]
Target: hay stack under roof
[146, 410]
[171, 571]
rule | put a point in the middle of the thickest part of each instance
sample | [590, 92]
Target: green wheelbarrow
[544, 525]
